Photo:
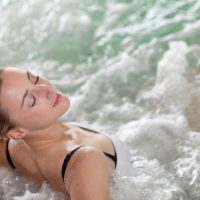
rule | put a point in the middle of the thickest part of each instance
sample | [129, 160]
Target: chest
[50, 166]
[80, 137]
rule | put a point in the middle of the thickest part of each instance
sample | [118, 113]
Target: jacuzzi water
[131, 69]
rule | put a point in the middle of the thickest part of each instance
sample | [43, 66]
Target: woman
[74, 160]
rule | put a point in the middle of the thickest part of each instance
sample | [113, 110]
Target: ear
[17, 133]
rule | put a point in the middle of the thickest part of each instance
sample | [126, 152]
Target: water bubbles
[73, 22]
[125, 63]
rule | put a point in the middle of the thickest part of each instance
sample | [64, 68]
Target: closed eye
[34, 102]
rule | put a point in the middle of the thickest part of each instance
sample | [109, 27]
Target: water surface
[131, 69]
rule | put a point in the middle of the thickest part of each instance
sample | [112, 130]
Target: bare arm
[88, 177]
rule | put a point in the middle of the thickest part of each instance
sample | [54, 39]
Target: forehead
[11, 71]
[13, 86]
[11, 79]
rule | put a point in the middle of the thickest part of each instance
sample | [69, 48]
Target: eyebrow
[26, 92]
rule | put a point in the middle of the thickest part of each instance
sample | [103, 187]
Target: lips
[57, 100]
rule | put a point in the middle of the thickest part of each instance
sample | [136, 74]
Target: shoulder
[84, 162]
[19, 158]
[5, 152]
[88, 174]
[23, 159]
[86, 155]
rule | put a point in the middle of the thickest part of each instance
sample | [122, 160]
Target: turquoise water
[131, 69]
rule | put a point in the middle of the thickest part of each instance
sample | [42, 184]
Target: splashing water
[131, 69]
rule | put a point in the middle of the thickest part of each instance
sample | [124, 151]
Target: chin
[67, 104]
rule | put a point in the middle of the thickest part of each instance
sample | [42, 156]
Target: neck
[39, 140]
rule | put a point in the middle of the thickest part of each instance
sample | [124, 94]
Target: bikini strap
[66, 161]
[69, 155]
[112, 157]
[8, 155]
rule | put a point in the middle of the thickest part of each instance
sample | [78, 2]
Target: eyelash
[34, 99]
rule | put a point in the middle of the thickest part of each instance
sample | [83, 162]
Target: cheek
[32, 116]
[42, 115]
[38, 119]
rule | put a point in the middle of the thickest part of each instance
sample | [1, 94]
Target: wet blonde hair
[5, 122]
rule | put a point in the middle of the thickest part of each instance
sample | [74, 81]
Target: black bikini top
[68, 156]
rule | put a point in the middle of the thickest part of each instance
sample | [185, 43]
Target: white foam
[174, 60]
[155, 138]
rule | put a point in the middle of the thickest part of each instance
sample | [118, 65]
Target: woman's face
[31, 102]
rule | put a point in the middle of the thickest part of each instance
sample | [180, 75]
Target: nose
[43, 90]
